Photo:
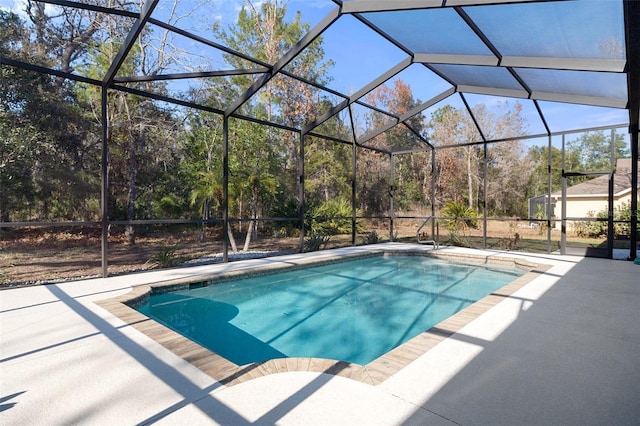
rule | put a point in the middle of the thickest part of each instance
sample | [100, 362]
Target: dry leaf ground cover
[37, 255]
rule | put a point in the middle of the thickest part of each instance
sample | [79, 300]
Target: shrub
[597, 229]
[371, 237]
[166, 257]
[315, 242]
[460, 216]
[333, 217]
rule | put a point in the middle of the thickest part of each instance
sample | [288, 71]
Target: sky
[360, 56]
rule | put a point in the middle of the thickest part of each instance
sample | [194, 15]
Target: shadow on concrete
[570, 357]
[190, 392]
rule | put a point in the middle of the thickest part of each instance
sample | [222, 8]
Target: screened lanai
[570, 69]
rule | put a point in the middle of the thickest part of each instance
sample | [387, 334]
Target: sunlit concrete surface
[561, 350]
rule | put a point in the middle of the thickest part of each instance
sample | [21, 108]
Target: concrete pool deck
[563, 349]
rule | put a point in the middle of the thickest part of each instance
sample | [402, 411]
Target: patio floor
[564, 349]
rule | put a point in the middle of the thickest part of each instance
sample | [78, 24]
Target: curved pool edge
[373, 373]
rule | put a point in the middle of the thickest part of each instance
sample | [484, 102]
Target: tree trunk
[132, 172]
[232, 240]
[205, 216]
[254, 215]
[247, 239]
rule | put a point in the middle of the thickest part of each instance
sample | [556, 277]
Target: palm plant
[459, 218]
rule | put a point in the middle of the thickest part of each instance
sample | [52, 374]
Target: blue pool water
[352, 311]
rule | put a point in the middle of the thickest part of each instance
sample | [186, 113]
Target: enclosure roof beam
[398, 68]
[162, 98]
[230, 51]
[473, 117]
[408, 151]
[363, 6]
[401, 66]
[373, 148]
[207, 42]
[417, 110]
[579, 99]
[564, 64]
[340, 107]
[92, 7]
[532, 136]
[355, 98]
[309, 38]
[456, 59]
[326, 116]
[417, 134]
[185, 75]
[494, 91]
[167, 99]
[188, 104]
[329, 138]
[50, 71]
[375, 108]
[145, 13]
[542, 117]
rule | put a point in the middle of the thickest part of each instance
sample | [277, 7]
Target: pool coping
[373, 373]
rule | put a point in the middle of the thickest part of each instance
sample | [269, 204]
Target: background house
[588, 198]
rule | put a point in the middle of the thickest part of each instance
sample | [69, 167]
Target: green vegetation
[166, 257]
[459, 219]
[371, 237]
[315, 242]
[167, 162]
[599, 228]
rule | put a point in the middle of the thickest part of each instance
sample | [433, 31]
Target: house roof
[600, 185]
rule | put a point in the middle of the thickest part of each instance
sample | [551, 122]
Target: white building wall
[588, 206]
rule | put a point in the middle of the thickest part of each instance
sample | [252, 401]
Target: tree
[538, 158]
[593, 150]
[144, 134]
[461, 170]
[47, 140]
[263, 34]
[373, 169]
[327, 170]
[65, 34]
[447, 128]
[590, 151]
[253, 167]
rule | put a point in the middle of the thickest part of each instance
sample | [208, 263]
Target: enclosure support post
[104, 172]
[550, 183]
[632, 33]
[610, 216]
[484, 199]
[353, 180]
[301, 206]
[633, 249]
[563, 208]
[391, 189]
[433, 193]
[225, 189]
[353, 195]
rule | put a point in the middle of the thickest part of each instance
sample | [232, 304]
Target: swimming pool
[353, 311]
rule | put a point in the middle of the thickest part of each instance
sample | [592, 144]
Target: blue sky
[360, 56]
